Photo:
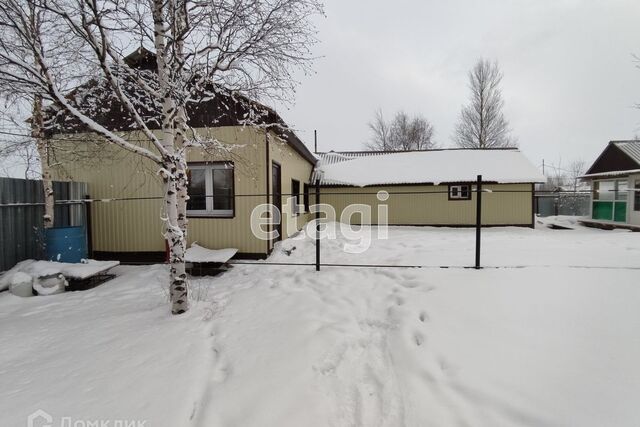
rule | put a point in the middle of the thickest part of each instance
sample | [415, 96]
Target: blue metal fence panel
[21, 210]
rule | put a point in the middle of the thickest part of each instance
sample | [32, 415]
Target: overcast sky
[570, 80]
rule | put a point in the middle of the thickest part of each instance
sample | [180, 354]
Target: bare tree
[420, 134]
[575, 170]
[403, 133]
[197, 48]
[482, 123]
[380, 132]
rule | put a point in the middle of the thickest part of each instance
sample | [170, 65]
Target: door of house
[276, 191]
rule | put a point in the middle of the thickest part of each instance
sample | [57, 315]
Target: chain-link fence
[345, 226]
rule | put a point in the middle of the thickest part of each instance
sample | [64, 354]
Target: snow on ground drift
[548, 345]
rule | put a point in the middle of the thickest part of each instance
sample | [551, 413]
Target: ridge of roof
[414, 151]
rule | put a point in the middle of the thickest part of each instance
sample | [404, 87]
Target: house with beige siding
[431, 187]
[258, 166]
[240, 155]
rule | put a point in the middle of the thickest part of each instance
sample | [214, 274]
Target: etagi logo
[39, 419]
[266, 217]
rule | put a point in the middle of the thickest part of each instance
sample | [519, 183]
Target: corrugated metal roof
[630, 148]
[427, 166]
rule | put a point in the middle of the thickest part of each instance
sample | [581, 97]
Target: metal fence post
[478, 218]
[87, 225]
[317, 225]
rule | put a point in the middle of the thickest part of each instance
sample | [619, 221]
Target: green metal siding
[610, 211]
[602, 210]
[620, 212]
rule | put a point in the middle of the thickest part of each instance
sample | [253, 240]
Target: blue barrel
[66, 244]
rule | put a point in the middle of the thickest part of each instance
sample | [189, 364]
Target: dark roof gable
[618, 156]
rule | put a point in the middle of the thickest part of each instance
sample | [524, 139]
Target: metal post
[315, 141]
[87, 225]
[478, 218]
[317, 225]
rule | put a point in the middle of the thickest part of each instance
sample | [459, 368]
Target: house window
[295, 194]
[211, 189]
[610, 190]
[622, 190]
[306, 198]
[636, 196]
[610, 200]
[460, 192]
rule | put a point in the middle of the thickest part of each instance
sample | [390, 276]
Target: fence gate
[21, 211]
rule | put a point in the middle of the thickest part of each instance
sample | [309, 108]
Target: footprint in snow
[423, 316]
[411, 284]
[418, 338]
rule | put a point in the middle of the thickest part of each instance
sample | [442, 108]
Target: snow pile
[50, 285]
[20, 284]
[38, 269]
[197, 253]
[435, 166]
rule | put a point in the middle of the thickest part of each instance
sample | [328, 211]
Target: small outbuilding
[431, 187]
[615, 186]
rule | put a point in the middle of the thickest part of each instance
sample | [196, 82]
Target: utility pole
[315, 141]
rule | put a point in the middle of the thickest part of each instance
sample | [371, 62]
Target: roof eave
[612, 173]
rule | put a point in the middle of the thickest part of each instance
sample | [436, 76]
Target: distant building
[615, 184]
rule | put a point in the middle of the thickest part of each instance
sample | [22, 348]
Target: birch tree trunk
[172, 165]
[43, 152]
[181, 25]
[182, 177]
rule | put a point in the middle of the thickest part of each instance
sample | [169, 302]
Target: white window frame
[208, 177]
[458, 188]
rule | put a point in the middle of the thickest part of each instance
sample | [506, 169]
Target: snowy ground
[546, 345]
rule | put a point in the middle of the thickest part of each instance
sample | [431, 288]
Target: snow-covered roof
[429, 166]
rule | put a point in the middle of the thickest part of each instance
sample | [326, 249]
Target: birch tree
[575, 170]
[380, 133]
[482, 123]
[198, 50]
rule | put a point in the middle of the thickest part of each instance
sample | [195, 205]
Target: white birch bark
[37, 131]
[171, 171]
